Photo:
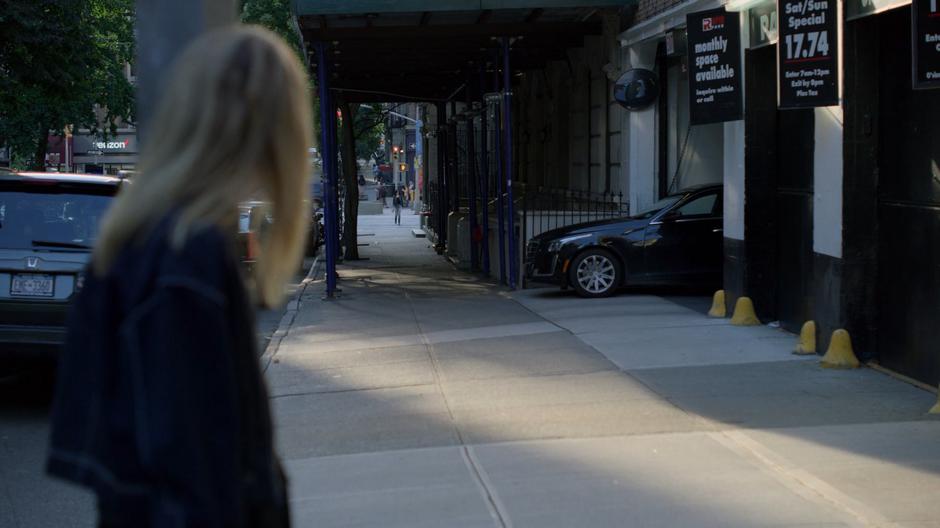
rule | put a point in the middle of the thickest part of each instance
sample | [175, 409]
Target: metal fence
[544, 209]
[475, 189]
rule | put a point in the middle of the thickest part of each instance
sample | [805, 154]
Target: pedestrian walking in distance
[161, 409]
[396, 203]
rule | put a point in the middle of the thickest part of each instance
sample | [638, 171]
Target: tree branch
[378, 121]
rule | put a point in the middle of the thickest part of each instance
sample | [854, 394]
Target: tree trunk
[351, 179]
[38, 163]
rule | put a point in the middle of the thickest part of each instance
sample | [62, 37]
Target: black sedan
[677, 241]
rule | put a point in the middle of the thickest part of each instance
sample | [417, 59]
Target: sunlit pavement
[424, 396]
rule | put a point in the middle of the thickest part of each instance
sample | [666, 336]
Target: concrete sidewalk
[424, 396]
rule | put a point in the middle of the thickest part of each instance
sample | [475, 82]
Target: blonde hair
[233, 124]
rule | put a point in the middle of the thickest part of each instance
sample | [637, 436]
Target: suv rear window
[51, 216]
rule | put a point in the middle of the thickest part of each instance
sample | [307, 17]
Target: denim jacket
[160, 406]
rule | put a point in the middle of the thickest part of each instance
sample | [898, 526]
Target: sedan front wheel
[595, 273]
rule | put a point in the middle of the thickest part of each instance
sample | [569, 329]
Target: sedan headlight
[555, 245]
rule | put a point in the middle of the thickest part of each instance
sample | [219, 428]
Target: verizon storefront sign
[807, 44]
[714, 43]
[94, 153]
[122, 144]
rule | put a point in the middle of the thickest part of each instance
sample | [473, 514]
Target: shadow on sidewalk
[357, 376]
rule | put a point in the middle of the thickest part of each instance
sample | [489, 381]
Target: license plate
[32, 285]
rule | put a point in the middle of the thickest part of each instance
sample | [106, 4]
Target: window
[50, 219]
[701, 206]
[649, 212]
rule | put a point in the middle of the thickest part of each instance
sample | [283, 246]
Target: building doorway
[908, 175]
[779, 150]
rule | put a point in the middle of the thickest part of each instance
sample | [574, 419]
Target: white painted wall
[734, 201]
[828, 169]
[734, 180]
[643, 138]
[702, 161]
[827, 184]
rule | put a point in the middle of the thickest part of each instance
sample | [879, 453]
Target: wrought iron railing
[544, 209]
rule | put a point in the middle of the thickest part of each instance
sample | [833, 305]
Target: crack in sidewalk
[480, 477]
[344, 391]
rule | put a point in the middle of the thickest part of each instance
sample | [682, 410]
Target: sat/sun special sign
[807, 47]
[714, 41]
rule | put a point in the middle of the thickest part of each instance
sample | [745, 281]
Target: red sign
[715, 22]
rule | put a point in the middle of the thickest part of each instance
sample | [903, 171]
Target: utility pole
[164, 29]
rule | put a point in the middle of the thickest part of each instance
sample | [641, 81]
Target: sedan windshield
[50, 220]
[659, 206]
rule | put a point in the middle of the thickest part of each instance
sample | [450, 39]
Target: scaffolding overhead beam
[342, 7]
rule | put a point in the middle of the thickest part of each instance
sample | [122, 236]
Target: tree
[370, 127]
[276, 16]
[62, 63]
[360, 140]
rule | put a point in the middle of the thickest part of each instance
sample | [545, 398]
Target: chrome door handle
[717, 230]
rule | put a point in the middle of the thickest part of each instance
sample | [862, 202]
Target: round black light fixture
[637, 89]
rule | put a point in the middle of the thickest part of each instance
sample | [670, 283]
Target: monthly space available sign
[714, 42]
[926, 43]
[807, 44]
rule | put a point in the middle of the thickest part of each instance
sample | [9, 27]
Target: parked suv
[48, 225]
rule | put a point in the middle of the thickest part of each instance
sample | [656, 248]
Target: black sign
[926, 43]
[714, 40]
[807, 45]
[762, 21]
[636, 89]
[855, 9]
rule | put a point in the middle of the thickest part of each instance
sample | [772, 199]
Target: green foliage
[370, 125]
[274, 15]
[59, 59]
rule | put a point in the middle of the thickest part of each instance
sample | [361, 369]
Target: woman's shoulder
[204, 262]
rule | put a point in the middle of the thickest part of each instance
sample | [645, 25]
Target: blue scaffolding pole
[500, 206]
[441, 205]
[472, 179]
[328, 153]
[507, 118]
[484, 172]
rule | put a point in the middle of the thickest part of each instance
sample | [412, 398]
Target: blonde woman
[161, 408]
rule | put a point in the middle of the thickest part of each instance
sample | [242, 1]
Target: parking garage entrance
[892, 199]
[779, 149]
[461, 62]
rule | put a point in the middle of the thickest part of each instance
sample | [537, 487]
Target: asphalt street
[28, 498]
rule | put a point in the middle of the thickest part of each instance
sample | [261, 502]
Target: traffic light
[402, 167]
[395, 151]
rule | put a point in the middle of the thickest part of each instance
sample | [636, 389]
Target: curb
[901, 377]
[287, 320]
